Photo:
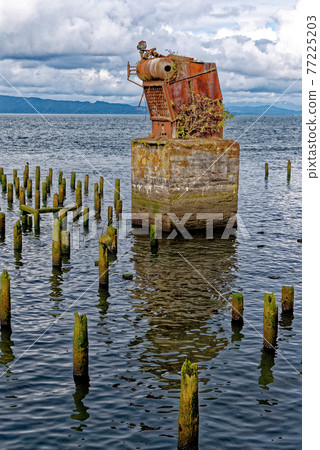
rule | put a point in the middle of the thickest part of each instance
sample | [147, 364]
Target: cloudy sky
[78, 49]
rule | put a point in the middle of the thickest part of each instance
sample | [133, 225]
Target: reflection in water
[81, 411]
[236, 327]
[56, 281]
[103, 304]
[286, 319]
[18, 258]
[5, 346]
[267, 362]
[180, 308]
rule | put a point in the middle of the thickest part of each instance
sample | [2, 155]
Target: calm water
[141, 332]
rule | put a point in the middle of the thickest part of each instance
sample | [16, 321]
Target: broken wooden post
[287, 298]
[86, 218]
[266, 170]
[61, 194]
[56, 244]
[14, 175]
[50, 176]
[110, 215]
[237, 308]
[37, 199]
[60, 178]
[103, 262]
[73, 181]
[22, 196]
[97, 204]
[153, 238]
[17, 237]
[116, 192]
[86, 184]
[289, 170]
[78, 197]
[36, 217]
[29, 188]
[112, 239]
[270, 321]
[44, 192]
[17, 185]
[188, 430]
[2, 225]
[48, 184]
[64, 184]
[4, 183]
[118, 208]
[80, 347]
[25, 179]
[37, 181]
[55, 200]
[5, 300]
[10, 193]
[65, 242]
[101, 186]
[26, 170]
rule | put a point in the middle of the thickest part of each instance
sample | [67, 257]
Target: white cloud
[79, 48]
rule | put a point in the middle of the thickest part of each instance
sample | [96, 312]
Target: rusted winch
[170, 82]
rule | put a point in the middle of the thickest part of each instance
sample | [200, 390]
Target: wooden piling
[266, 171]
[5, 300]
[48, 184]
[37, 199]
[237, 308]
[270, 321]
[86, 184]
[17, 185]
[97, 204]
[55, 200]
[287, 298]
[2, 225]
[29, 188]
[1, 173]
[110, 214]
[37, 181]
[4, 183]
[188, 430]
[103, 261]
[24, 222]
[22, 196]
[14, 175]
[289, 170]
[36, 217]
[116, 192]
[101, 186]
[86, 218]
[112, 239]
[65, 242]
[73, 181]
[44, 192]
[80, 347]
[17, 237]
[61, 194]
[50, 175]
[25, 179]
[153, 238]
[78, 197]
[64, 184]
[10, 193]
[56, 244]
[26, 170]
[118, 208]
[60, 178]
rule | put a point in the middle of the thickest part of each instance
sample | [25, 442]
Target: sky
[79, 49]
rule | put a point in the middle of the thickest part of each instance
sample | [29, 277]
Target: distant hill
[18, 105]
[258, 110]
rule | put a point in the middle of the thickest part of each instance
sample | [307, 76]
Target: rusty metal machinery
[170, 82]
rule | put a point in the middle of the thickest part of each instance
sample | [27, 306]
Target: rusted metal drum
[156, 69]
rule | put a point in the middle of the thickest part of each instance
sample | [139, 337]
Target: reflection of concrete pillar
[182, 176]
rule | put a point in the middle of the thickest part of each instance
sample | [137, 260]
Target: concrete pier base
[185, 177]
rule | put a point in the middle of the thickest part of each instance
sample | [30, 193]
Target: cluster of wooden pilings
[266, 170]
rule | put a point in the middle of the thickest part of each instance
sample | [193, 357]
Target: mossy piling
[287, 299]
[37, 199]
[73, 181]
[266, 171]
[86, 219]
[110, 214]
[17, 237]
[86, 184]
[80, 347]
[65, 242]
[37, 180]
[5, 300]
[56, 244]
[29, 188]
[103, 262]
[188, 430]
[10, 193]
[289, 170]
[270, 322]
[237, 308]
[112, 239]
[2, 225]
